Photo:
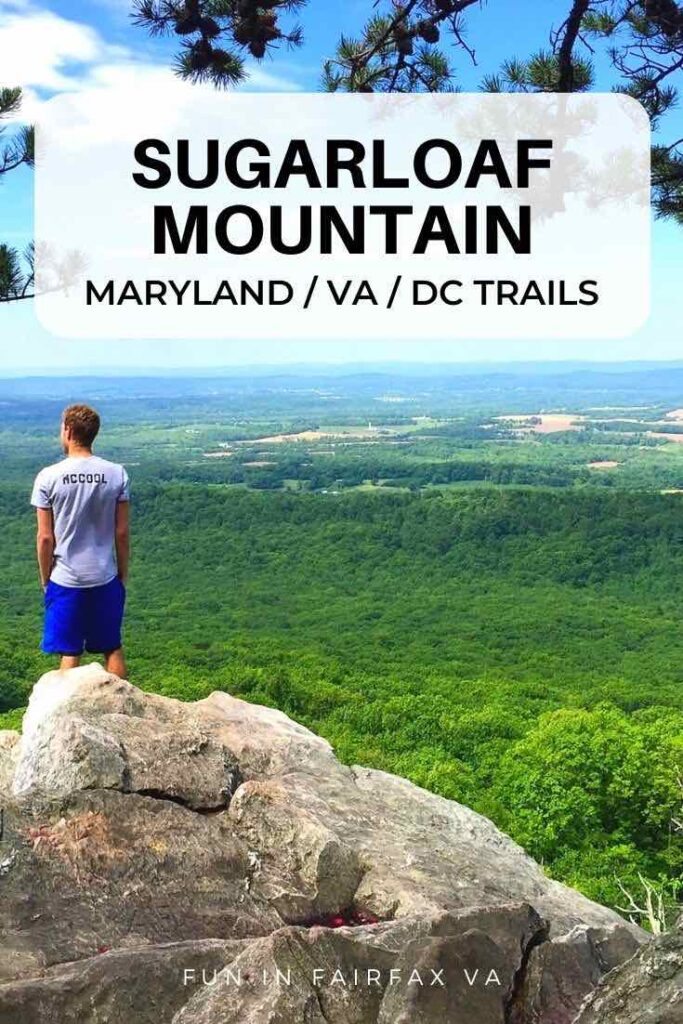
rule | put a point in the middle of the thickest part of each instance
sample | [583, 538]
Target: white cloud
[44, 52]
[41, 49]
[89, 112]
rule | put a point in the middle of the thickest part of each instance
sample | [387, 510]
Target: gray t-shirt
[83, 494]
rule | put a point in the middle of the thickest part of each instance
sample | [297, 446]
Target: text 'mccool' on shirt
[83, 494]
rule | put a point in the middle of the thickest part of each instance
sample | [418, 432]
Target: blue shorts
[78, 617]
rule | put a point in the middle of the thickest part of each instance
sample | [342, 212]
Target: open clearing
[676, 438]
[544, 423]
[314, 435]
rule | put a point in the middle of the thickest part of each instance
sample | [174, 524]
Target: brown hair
[83, 422]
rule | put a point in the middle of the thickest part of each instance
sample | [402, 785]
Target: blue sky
[51, 46]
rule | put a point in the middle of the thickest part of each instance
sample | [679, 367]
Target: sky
[63, 45]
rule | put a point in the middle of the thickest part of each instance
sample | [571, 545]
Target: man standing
[83, 543]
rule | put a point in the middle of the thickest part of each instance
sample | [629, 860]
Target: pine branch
[569, 39]
[395, 51]
[216, 35]
[646, 49]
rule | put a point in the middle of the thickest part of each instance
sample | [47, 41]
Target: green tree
[593, 794]
[646, 46]
[644, 42]
[401, 48]
[215, 35]
[398, 49]
[16, 150]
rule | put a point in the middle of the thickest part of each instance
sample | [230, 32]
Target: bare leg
[69, 661]
[115, 663]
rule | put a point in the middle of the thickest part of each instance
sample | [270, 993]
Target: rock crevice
[515, 1009]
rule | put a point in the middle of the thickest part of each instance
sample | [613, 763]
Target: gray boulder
[143, 985]
[223, 833]
[559, 974]
[9, 751]
[422, 969]
[647, 989]
[121, 739]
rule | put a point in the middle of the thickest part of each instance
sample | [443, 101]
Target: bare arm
[45, 544]
[122, 538]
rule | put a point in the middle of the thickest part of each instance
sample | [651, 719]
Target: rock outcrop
[647, 989]
[213, 863]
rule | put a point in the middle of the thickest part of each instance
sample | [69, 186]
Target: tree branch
[566, 51]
